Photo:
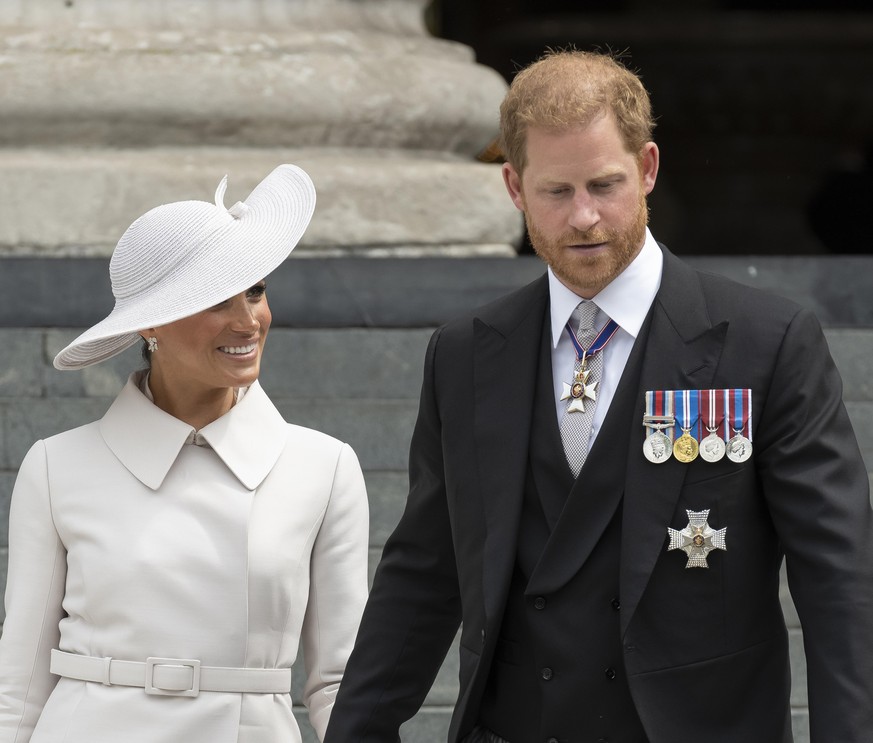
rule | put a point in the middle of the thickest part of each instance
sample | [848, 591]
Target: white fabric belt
[178, 677]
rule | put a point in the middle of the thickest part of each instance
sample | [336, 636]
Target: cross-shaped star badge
[697, 539]
[579, 391]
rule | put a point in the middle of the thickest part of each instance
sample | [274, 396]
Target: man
[610, 585]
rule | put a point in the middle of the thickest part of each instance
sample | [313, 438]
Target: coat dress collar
[249, 438]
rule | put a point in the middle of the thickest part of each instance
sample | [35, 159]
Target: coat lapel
[682, 351]
[507, 342]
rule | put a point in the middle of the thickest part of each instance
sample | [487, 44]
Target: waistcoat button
[547, 673]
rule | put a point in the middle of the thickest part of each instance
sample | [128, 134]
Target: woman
[166, 561]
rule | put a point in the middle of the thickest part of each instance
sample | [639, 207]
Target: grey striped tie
[576, 426]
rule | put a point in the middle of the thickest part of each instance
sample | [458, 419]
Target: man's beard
[590, 274]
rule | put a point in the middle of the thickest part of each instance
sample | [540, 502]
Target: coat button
[539, 603]
[552, 740]
[610, 673]
[616, 604]
[547, 673]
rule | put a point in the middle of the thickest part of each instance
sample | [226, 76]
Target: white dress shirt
[626, 299]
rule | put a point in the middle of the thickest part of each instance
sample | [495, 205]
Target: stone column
[109, 107]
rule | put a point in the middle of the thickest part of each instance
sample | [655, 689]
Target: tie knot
[583, 317]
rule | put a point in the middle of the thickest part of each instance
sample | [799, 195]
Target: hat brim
[241, 252]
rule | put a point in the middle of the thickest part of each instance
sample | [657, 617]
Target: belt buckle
[150, 687]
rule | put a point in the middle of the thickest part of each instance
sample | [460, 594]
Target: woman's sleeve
[338, 589]
[34, 595]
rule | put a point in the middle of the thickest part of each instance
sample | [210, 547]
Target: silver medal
[712, 447]
[697, 539]
[739, 448]
[657, 447]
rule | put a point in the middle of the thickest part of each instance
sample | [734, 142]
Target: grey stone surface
[21, 363]
[800, 725]
[267, 87]
[363, 198]
[852, 349]
[387, 495]
[312, 292]
[156, 106]
[26, 420]
[861, 415]
[378, 430]
[7, 481]
[788, 608]
[798, 668]
[428, 726]
[342, 364]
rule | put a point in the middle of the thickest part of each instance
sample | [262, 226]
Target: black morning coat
[705, 650]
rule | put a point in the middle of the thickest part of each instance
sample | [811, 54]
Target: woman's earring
[153, 343]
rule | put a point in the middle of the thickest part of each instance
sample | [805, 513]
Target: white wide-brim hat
[182, 258]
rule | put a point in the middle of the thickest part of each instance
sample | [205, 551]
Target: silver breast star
[579, 391]
[697, 539]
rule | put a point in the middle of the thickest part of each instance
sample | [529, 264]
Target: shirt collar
[626, 299]
[249, 438]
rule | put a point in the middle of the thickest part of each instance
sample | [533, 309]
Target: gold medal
[685, 448]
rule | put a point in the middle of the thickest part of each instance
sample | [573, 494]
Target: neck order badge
[579, 390]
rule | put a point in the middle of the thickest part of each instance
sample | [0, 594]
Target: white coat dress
[128, 541]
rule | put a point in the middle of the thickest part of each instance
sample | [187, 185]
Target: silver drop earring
[152, 343]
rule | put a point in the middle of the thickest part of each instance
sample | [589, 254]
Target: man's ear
[512, 181]
[649, 162]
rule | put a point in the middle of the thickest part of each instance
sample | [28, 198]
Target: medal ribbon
[690, 408]
[660, 403]
[711, 406]
[603, 337]
[741, 412]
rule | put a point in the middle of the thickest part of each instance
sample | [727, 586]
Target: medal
[579, 390]
[697, 539]
[685, 448]
[658, 446]
[712, 447]
[739, 447]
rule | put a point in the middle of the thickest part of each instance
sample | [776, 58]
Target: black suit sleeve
[413, 612]
[817, 491]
